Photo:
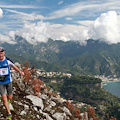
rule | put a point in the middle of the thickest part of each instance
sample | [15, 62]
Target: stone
[36, 101]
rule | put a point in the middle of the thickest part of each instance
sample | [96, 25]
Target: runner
[6, 80]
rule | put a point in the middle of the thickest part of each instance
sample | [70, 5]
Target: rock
[36, 101]
[26, 107]
[59, 116]
[47, 116]
[11, 107]
[66, 110]
[23, 113]
[43, 96]
[84, 116]
[52, 103]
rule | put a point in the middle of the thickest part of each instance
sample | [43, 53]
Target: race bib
[3, 71]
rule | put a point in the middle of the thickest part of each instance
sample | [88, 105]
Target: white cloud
[60, 2]
[88, 6]
[12, 35]
[1, 12]
[40, 32]
[86, 23]
[5, 38]
[25, 16]
[106, 28]
[19, 6]
[67, 32]
[68, 18]
[34, 33]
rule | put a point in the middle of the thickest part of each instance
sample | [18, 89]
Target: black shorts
[6, 89]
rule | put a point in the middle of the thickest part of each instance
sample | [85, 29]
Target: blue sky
[77, 20]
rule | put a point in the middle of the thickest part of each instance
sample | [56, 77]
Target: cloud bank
[106, 28]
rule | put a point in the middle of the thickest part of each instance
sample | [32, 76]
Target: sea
[112, 87]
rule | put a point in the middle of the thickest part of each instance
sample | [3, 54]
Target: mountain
[94, 58]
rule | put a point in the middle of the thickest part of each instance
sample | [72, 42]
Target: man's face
[2, 55]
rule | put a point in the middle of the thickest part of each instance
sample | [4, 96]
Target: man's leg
[5, 102]
[4, 97]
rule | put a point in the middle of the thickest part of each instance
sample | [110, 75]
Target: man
[6, 80]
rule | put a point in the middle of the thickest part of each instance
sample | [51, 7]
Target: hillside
[33, 100]
[95, 58]
[88, 90]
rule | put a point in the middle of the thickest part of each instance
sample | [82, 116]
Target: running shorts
[6, 89]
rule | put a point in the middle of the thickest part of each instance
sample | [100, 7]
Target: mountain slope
[95, 58]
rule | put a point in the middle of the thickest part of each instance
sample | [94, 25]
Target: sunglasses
[2, 50]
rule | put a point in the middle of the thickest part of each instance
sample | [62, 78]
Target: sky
[67, 20]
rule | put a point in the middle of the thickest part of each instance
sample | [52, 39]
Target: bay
[112, 87]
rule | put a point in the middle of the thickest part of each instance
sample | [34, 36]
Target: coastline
[110, 84]
[104, 83]
[106, 80]
[110, 81]
[112, 87]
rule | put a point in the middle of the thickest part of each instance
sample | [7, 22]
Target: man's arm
[18, 70]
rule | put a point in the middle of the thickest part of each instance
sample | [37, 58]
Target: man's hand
[22, 73]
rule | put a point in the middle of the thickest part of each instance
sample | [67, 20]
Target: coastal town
[104, 78]
[108, 78]
[51, 74]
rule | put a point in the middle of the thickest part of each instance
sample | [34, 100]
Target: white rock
[17, 64]
[48, 108]
[19, 103]
[35, 108]
[52, 103]
[43, 96]
[84, 116]
[23, 113]
[67, 111]
[56, 99]
[52, 112]
[59, 116]
[36, 101]
[47, 116]
[38, 116]
[26, 107]
[11, 107]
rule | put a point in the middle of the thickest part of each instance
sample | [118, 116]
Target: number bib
[4, 71]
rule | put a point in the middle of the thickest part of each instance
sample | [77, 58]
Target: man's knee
[4, 98]
[10, 97]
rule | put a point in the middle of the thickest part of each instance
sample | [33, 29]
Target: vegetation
[30, 79]
[88, 89]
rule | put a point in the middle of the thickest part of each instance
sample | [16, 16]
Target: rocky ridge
[36, 101]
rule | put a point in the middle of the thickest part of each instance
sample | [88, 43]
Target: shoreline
[104, 82]
[111, 81]
[114, 90]
[107, 79]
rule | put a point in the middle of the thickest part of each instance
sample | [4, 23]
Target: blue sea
[112, 87]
